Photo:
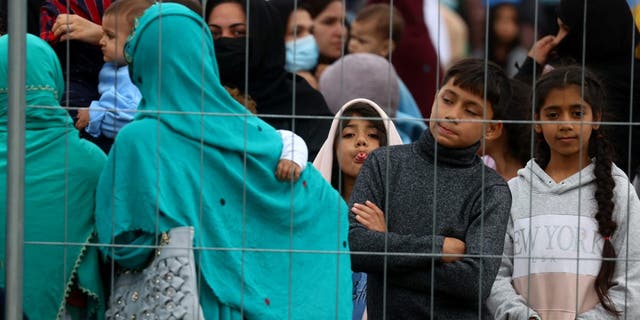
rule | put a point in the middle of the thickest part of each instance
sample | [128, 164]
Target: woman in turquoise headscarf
[61, 174]
[195, 157]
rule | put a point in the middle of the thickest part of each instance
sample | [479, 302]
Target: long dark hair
[601, 149]
[519, 134]
[359, 109]
[609, 30]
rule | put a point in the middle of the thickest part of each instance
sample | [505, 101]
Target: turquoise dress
[194, 156]
[61, 174]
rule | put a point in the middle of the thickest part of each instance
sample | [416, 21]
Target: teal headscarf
[61, 174]
[272, 249]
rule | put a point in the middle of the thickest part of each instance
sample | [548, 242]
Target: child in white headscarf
[358, 128]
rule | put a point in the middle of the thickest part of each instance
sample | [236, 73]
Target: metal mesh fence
[264, 260]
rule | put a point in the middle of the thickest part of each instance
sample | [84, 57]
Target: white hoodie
[553, 250]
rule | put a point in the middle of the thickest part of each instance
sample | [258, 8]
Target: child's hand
[75, 27]
[453, 246]
[83, 119]
[370, 216]
[287, 169]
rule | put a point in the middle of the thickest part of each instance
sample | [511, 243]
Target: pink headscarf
[324, 159]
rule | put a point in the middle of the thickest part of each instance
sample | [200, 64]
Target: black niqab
[269, 84]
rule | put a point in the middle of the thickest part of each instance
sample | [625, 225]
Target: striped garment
[91, 10]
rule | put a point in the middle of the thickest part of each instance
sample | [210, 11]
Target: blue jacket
[409, 120]
[118, 102]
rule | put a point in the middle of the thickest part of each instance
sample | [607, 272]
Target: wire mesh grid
[429, 276]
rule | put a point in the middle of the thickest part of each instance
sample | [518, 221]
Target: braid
[606, 226]
[602, 151]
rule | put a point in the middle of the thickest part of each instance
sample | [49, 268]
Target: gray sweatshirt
[553, 250]
[425, 201]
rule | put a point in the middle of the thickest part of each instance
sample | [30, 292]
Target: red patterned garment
[91, 10]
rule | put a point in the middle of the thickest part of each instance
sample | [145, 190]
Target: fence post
[16, 159]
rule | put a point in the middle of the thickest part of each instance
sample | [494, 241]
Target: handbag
[165, 289]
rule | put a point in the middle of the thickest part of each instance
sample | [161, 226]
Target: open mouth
[361, 157]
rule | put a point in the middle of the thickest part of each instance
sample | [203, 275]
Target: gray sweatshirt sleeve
[625, 293]
[369, 247]
[504, 302]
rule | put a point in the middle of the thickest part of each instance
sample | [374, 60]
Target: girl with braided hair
[568, 252]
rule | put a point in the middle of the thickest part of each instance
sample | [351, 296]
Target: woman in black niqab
[603, 40]
[281, 97]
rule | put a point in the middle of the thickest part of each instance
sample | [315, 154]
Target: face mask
[230, 54]
[306, 54]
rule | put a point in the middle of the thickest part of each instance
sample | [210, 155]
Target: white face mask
[305, 55]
